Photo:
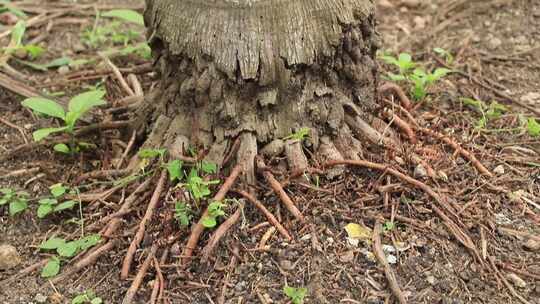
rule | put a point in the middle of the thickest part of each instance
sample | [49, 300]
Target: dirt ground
[495, 45]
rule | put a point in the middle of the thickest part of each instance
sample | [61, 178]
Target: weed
[87, 297]
[16, 44]
[448, 57]
[533, 127]
[5, 6]
[493, 111]
[18, 201]
[182, 213]
[296, 295]
[65, 249]
[301, 134]
[418, 77]
[174, 168]
[52, 205]
[197, 186]
[389, 226]
[215, 210]
[78, 106]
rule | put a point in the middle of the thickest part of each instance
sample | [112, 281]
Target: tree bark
[260, 70]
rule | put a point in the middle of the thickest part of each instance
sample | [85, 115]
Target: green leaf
[65, 205]
[52, 243]
[51, 269]
[89, 241]
[44, 210]
[175, 170]
[57, 190]
[42, 133]
[58, 62]
[82, 103]
[80, 299]
[17, 34]
[3, 201]
[295, 294]
[68, 249]
[126, 15]
[34, 51]
[182, 213]
[533, 127]
[61, 148]
[48, 201]
[45, 106]
[209, 222]
[396, 77]
[17, 206]
[96, 301]
[152, 153]
[209, 167]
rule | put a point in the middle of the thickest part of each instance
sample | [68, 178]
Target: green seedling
[182, 213]
[65, 249]
[6, 6]
[78, 106]
[16, 44]
[52, 204]
[493, 111]
[18, 201]
[533, 127]
[174, 168]
[422, 80]
[448, 57]
[56, 63]
[301, 134]
[296, 295]
[125, 15]
[389, 226]
[215, 210]
[197, 186]
[404, 62]
[89, 297]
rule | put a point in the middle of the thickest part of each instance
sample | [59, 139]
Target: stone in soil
[9, 257]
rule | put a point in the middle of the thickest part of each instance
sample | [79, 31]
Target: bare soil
[495, 42]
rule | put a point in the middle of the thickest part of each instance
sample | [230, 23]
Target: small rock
[9, 257]
[531, 98]
[431, 280]
[499, 170]
[419, 22]
[39, 298]
[286, 265]
[63, 70]
[8, 18]
[494, 43]
[532, 245]
[517, 280]
[79, 47]
[347, 256]
[385, 4]
[411, 3]
[420, 171]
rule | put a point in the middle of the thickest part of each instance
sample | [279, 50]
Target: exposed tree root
[102, 174]
[466, 154]
[405, 101]
[271, 218]
[390, 276]
[132, 291]
[126, 265]
[220, 232]
[401, 124]
[198, 228]
[276, 186]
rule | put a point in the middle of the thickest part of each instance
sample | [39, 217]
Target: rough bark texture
[260, 69]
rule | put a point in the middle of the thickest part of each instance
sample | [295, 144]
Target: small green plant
[389, 226]
[182, 213]
[18, 201]
[174, 168]
[493, 111]
[6, 6]
[65, 249]
[418, 77]
[296, 295]
[52, 205]
[301, 134]
[448, 57]
[197, 186]
[87, 297]
[533, 127]
[16, 44]
[78, 106]
[215, 210]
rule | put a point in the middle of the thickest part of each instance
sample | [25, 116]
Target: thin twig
[118, 75]
[127, 150]
[379, 254]
[9, 124]
[404, 126]
[132, 291]
[220, 232]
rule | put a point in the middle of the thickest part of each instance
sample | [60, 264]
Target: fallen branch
[199, 227]
[466, 154]
[390, 276]
[271, 218]
[126, 265]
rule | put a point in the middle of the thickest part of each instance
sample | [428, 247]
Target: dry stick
[220, 232]
[101, 174]
[379, 254]
[128, 149]
[466, 154]
[16, 128]
[461, 236]
[506, 283]
[90, 258]
[118, 75]
[405, 101]
[137, 88]
[276, 186]
[232, 265]
[402, 125]
[24, 272]
[271, 218]
[199, 227]
[132, 291]
[142, 225]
